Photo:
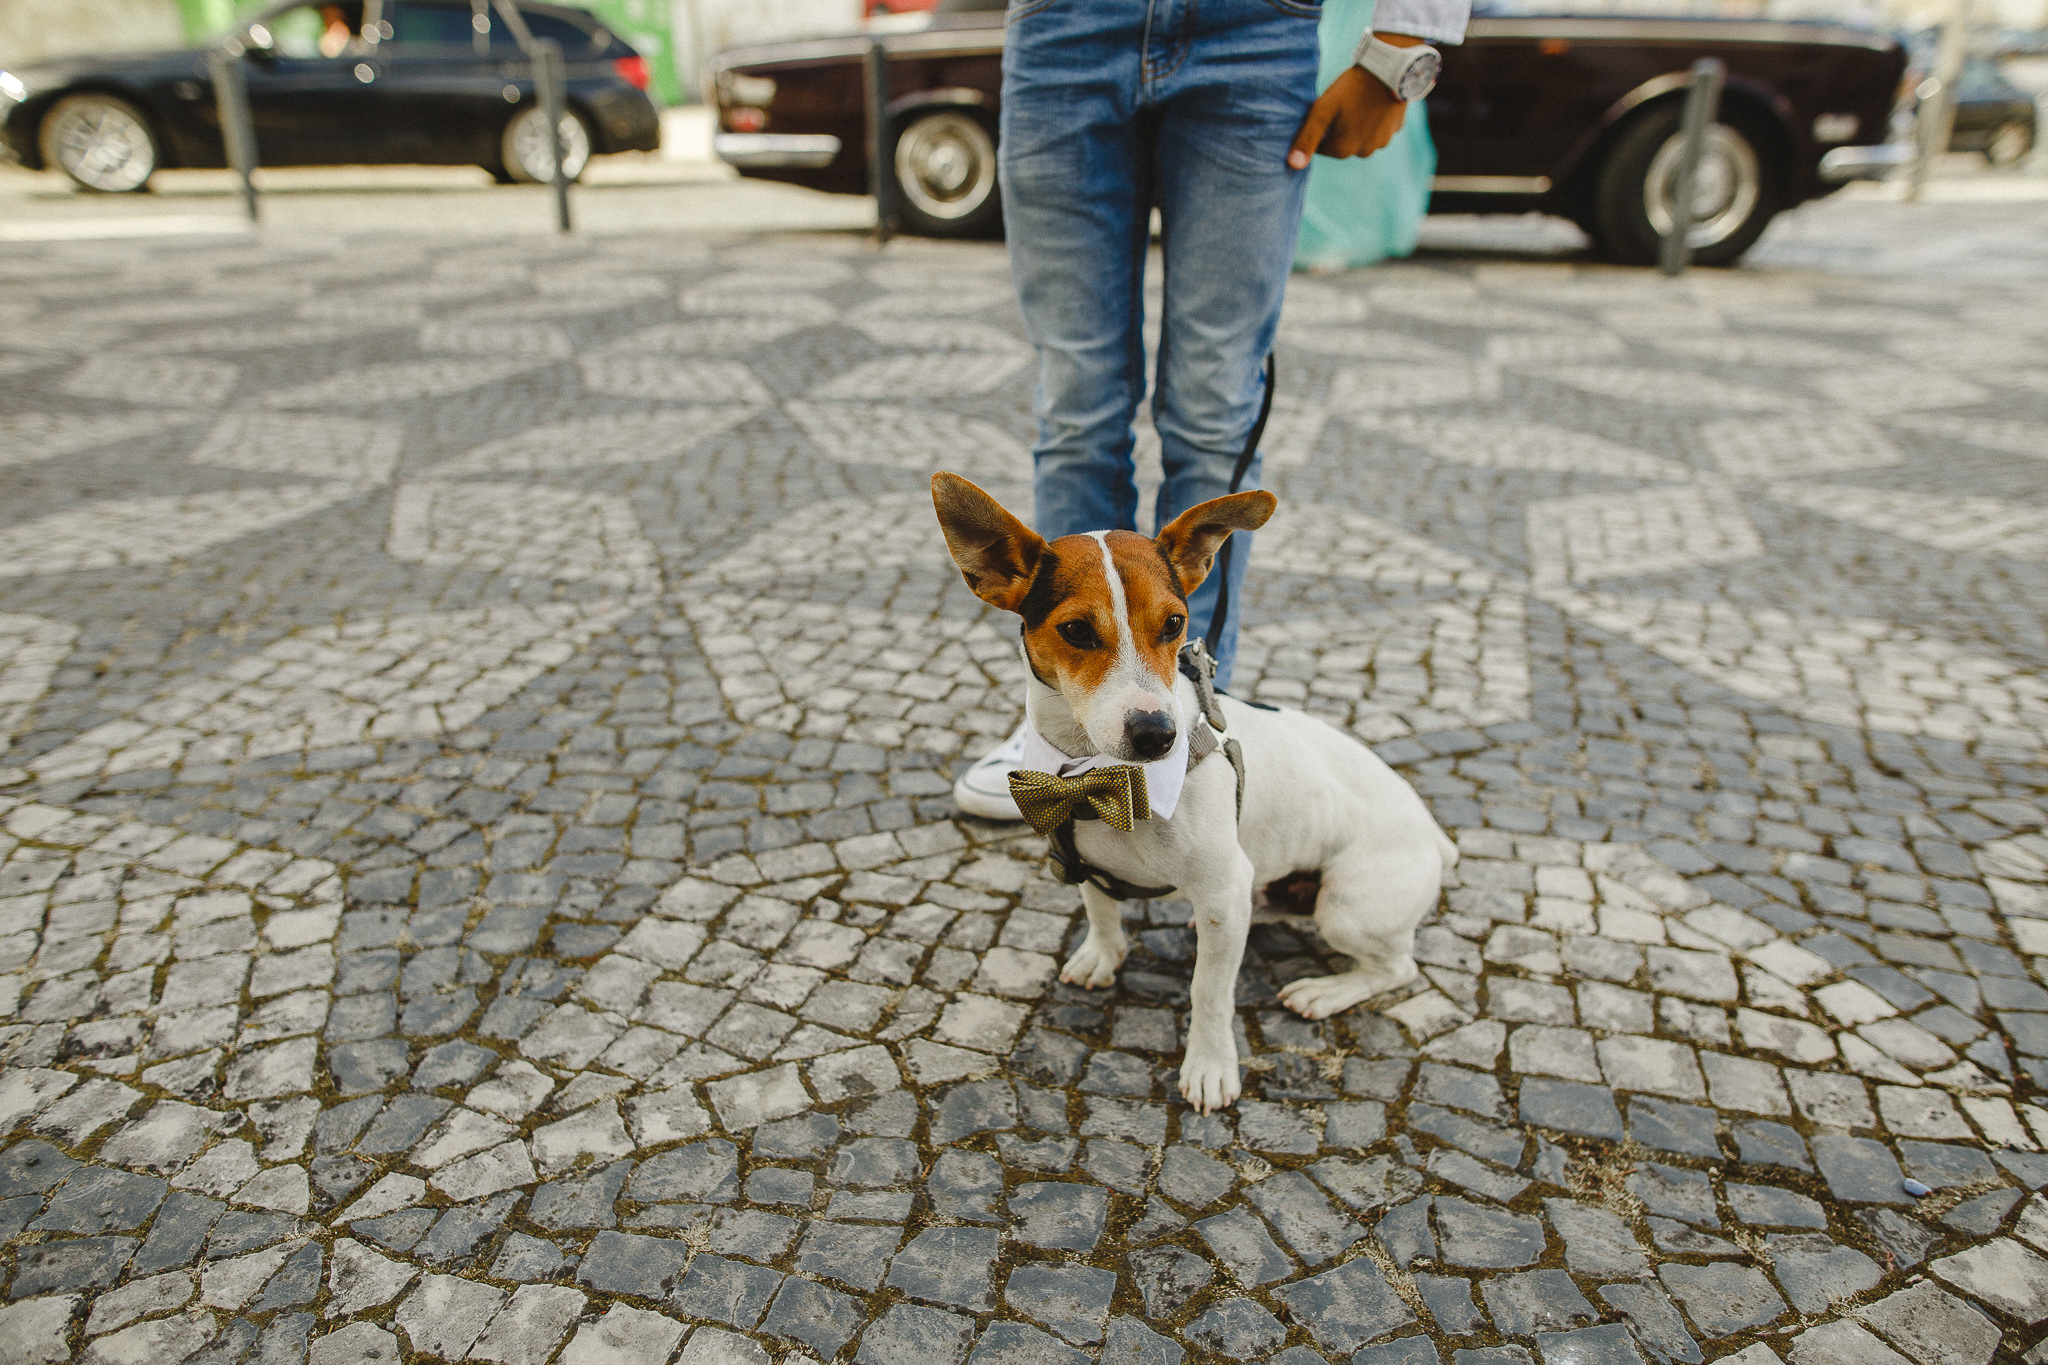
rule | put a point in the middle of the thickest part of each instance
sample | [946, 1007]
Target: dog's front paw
[1209, 1079]
[1094, 963]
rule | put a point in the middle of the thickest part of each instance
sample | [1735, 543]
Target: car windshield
[575, 41]
[1980, 79]
[310, 31]
[414, 24]
[334, 29]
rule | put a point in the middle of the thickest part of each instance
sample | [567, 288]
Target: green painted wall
[643, 23]
[205, 18]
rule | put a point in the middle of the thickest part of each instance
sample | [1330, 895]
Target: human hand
[1356, 116]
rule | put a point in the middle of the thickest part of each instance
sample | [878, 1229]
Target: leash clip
[1198, 666]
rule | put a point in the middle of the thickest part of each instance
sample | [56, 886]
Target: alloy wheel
[533, 154]
[2009, 145]
[1725, 189]
[101, 144]
[946, 164]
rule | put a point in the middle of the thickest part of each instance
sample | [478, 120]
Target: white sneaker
[984, 789]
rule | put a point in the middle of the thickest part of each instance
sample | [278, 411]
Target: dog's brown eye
[1173, 627]
[1079, 634]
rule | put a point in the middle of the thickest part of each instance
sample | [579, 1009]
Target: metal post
[1702, 104]
[237, 131]
[548, 80]
[1935, 119]
[875, 67]
[700, 56]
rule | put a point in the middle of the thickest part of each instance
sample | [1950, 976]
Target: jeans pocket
[1024, 9]
[1305, 9]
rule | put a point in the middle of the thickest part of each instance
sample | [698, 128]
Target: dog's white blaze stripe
[1126, 646]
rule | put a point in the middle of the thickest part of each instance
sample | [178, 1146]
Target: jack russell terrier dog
[1136, 799]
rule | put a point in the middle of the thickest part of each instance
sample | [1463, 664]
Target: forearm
[1362, 109]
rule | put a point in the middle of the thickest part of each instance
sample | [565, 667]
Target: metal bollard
[875, 86]
[237, 131]
[550, 88]
[1702, 104]
[1935, 116]
[550, 79]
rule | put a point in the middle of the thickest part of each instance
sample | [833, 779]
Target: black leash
[1244, 464]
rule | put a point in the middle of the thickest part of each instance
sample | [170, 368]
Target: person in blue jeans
[1207, 111]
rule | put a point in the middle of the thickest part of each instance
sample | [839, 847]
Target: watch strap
[1390, 64]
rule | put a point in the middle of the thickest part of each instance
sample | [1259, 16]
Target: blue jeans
[1112, 108]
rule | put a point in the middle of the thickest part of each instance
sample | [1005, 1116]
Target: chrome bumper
[775, 149]
[1865, 163]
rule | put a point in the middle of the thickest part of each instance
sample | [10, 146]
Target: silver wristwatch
[1410, 72]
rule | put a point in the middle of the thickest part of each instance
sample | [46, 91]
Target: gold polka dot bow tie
[1114, 794]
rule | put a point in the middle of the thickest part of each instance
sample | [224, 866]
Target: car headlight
[1835, 127]
[12, 91]
[736, 87]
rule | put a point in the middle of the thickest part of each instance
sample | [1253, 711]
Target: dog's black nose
[1150, 733]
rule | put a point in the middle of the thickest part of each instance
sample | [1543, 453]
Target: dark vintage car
[438, 82]
[1574, 116]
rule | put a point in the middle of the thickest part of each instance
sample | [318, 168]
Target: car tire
[2009, 146]
[526, 154]
[943, 162]
[103, 142]
[1737, 194]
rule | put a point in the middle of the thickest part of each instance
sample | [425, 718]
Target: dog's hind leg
[1095, 962]
[1368, 910]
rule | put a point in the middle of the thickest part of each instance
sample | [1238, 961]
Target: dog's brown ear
[1191, 542]
[998, 555]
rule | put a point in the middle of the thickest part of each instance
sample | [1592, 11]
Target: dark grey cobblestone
[475, 845]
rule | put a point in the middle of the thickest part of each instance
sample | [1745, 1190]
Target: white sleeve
[1438, 21]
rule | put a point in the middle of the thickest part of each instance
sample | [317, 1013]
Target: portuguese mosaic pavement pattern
[477, 879]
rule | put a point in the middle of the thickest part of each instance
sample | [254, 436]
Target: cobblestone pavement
[479, 880]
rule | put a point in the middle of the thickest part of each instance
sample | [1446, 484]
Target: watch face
[1420, 77]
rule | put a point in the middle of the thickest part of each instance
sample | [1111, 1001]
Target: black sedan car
[438, 82]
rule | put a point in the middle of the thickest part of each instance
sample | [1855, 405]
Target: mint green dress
[1363, 209]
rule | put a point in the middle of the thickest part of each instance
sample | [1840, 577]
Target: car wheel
[945, 168]
[2009, 146]
[1733, 199]
[529, 154]
[103, 143]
